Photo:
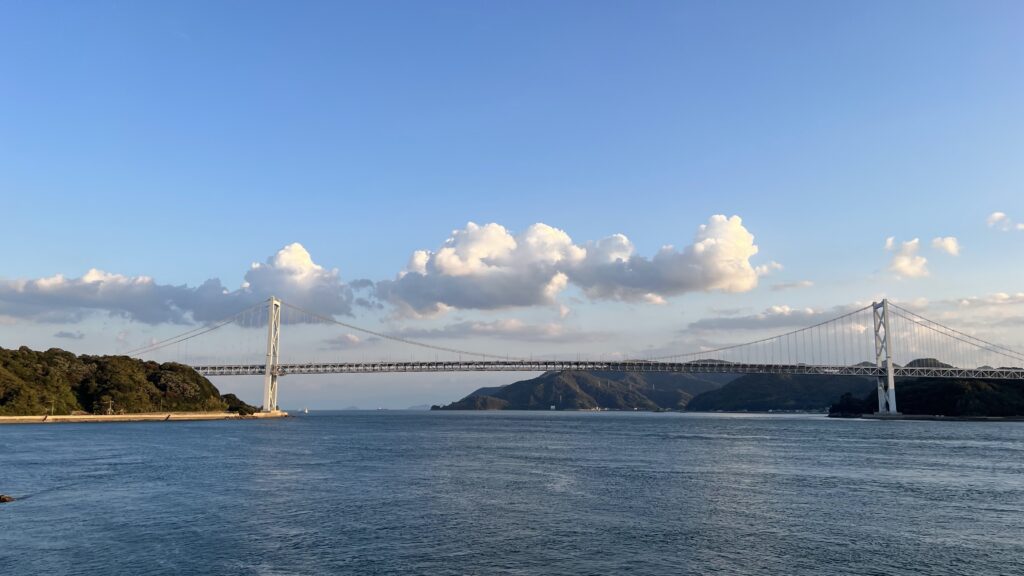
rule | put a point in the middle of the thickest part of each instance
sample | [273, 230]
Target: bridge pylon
[883, 358]
[273, 355]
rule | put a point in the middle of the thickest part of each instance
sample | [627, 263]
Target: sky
[582, 179]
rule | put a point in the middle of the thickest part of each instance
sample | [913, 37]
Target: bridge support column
[273, 355]
[883, 359]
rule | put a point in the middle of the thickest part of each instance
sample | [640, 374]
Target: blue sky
[185, 141]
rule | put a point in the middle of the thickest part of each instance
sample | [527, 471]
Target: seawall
[140, 417]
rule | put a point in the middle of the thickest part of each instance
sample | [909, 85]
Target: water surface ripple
[514, 493]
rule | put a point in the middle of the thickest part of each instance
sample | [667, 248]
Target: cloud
[998, 220]
[1001, 221]
[289, 274]
[994, 299]
[511, 329]
[949, 244]
[69, 335]
[343, 342]
[791, 285]
[730, 311]
[906, 263]
[780, 316]
[477, 267]
[766, 269]
[774, 317]
[484, 267]
[718, 260]
[489, 267]
[1003, 298]
[292, 275]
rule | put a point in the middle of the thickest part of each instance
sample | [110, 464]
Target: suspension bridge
[881, 340]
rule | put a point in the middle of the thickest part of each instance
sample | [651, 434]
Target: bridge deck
[698, 367]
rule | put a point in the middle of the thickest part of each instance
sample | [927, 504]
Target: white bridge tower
[883, 359]
[273, 355]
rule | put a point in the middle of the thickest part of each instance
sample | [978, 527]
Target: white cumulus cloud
[1002, 221]
[766, 269]
[485, 267]
[948, 244]
[998, 220]
[717, 260]
[292, 275]
[289, 274]
[488, 267]
[906, 263]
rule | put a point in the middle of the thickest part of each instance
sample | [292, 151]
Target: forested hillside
[33, 382]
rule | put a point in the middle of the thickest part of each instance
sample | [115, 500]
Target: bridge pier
[883, 359]
[273, 355]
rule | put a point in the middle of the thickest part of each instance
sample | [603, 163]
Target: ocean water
[514, 493]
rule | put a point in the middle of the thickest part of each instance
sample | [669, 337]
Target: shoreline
[139, 417]
[939, 418]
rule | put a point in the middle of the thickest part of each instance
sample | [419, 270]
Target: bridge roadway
[694, 367]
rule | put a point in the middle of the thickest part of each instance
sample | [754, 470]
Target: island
[950, 398]
[850, 396]
[57, 384]
[660, 391]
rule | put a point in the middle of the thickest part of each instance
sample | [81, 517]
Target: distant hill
[764, 392]
[848, 395]
[665, 391]
[33, 382]
[943, 397]
[572, 390]
[927, 363]
[485, 391]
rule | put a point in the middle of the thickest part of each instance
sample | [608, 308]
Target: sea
[523, 493]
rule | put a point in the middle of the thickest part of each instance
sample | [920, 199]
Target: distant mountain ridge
[943, 397]
[840, 395]
[796, 392]
[577, 390]
[656, 391]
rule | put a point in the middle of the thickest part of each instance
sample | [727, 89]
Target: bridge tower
[883, 358]
[273, 355]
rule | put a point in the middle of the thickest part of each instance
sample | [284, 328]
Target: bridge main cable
[955, 334]
[194, 333]
[760, 341]
[399, 339]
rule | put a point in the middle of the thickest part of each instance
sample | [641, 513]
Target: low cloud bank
[479, 267]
